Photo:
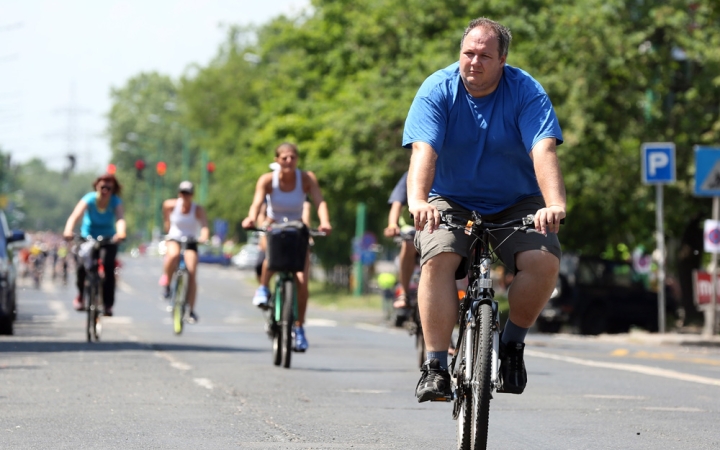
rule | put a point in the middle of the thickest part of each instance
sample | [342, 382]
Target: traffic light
[139, 166]
[111, 169]
[161, 168]
[210, 167]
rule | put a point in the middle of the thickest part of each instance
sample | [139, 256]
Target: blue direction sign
[707, 171]
[658, 162]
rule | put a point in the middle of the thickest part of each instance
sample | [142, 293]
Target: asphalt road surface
[215, 386]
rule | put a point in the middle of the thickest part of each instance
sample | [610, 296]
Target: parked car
[248, 257]
[212, 255]
[597, 295]
[8, 274]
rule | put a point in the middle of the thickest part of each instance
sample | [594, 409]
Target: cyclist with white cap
[181, 218]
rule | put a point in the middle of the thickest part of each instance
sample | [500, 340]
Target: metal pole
[359, 232]
[714, 273]
[661, 256]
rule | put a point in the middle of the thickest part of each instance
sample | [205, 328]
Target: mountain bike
[287, 247]
[179, 284]
[89, 255]
[474, 369]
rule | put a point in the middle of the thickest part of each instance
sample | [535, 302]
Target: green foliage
[46, 197]
[338, 80]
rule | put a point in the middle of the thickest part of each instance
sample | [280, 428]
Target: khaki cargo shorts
[456, 241]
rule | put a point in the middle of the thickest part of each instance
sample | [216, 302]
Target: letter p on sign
[658, 162]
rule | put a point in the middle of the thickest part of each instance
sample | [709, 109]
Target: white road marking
[637, 368]
[121, 320]
[366, 391]
[204, 382]
[615, 397]
[379, 329]
[320, 323]
[174, 362]
[126, 288]
[672, 409]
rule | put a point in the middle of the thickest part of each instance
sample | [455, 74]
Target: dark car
[212, 255]
[8, 272]
[597, 295]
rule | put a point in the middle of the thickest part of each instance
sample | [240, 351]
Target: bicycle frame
[479, 290]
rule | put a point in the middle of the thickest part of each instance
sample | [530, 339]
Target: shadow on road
[65, 346]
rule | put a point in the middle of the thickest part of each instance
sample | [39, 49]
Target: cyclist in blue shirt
[483, 136]
[408, 253]
[102, 215]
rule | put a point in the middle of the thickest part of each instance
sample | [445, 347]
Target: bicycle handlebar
[312, 231]
[525, 224]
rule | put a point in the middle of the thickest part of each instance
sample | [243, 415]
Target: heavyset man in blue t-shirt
[483, 136]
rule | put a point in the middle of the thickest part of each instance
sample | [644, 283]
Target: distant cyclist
[408, 253]
[182, 217]
[102, 215]
[285, 191]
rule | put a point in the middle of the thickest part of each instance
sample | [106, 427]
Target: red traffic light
[139, 164]
[210, 167]
[161, 168]
[111, 169]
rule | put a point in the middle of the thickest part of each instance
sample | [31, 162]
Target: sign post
[658, 168]
[707, 184]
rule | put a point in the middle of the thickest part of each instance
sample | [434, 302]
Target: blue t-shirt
[399, 193]
[96, 222]
[482, 144]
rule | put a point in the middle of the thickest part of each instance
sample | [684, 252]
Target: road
[215, 386]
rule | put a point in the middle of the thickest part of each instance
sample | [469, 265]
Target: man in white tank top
[285, 190]
[181, 219]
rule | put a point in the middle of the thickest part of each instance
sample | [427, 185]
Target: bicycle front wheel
[179, 301]
[288, 318]
[482, 376]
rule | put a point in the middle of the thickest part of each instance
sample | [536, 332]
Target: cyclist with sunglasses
[102, 215]
[182, 217]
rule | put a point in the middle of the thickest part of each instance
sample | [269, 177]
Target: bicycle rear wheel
[481, 379]
[179, 301]
[93, 313]
[288, 318]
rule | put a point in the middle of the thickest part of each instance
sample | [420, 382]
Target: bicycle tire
[482, 376]
[288, 318]
[419, 338]
[275, 327]
[463, 404]
[87, 294]
[179, 302]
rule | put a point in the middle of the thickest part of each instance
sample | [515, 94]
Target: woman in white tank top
[285, 190]
[181, 219]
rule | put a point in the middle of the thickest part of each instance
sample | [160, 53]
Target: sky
[60, 59]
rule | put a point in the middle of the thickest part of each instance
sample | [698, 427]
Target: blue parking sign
[707, 171]
[658, 162]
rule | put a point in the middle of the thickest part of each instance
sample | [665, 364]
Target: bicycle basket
[287, 246]
[85, 253]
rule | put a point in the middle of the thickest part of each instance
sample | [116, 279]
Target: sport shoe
[261, 297]
[192, 317]
[108, 312]
[301, 343]
[165, 292]
[513, 376]
[434, 383]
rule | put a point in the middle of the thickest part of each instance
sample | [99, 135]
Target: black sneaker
[513, 376]
[165, 292]
[192, 317]
[434, 384]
